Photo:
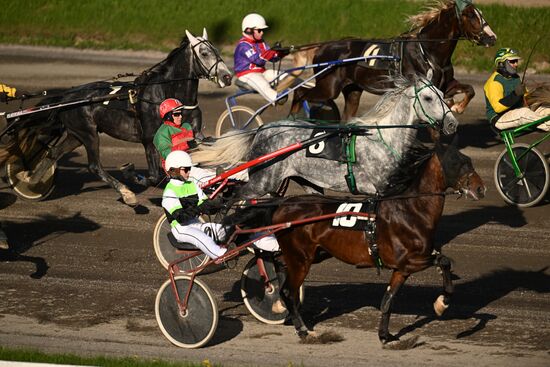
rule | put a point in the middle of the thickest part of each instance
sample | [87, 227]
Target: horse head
[459, 172]
[473, 26]
[207, 60]
[430, 106]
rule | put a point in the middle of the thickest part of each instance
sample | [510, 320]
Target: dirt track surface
[87, 276]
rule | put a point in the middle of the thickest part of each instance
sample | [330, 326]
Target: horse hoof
[128, 197]
[406, 344]
[440, 306]
[278, 307]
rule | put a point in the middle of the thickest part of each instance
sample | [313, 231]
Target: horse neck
[431, 179]
[444, 27]
[175, 77]
[402, 114]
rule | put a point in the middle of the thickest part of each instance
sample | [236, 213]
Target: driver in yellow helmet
[504, 95]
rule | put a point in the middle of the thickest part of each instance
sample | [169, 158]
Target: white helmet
[254, 21]
[177, 159]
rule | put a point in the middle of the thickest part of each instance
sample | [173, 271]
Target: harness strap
[370, 233]
[349, 151]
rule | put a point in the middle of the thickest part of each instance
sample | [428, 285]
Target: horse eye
[428, 99]
[204, 53]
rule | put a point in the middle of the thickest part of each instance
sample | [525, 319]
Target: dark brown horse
[403, 232]
[429, 45]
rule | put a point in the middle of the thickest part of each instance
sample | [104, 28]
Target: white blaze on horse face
[486, 28]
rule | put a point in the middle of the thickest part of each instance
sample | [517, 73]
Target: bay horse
[385, 134]
[136, 121]
[429, 45]
[403, 231]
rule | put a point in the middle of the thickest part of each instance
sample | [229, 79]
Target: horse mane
[408, 169]
[387, 102]
[431, 13]
[161, 66]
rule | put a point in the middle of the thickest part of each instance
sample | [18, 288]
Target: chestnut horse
[429, 45]
[403, 232]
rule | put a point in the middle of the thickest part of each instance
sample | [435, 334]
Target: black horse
[429, 45]
[132, 112]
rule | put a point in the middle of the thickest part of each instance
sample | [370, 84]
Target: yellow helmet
[506, 53]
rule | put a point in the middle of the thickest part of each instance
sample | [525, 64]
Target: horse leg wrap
[40, 170]
[440, 305]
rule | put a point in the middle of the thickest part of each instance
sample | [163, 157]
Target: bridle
[432, 121]
[204, 71]
[470, 36]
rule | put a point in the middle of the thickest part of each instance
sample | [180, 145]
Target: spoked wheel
[193, 327]
[166, 253]
[31, 191]
[260, 299]
[324, 111]
[241, 114]
[531, 187]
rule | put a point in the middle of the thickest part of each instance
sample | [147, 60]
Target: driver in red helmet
[173, 134]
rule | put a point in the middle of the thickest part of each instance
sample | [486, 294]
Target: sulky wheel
[531, 187]
[166, 253]
[260, 299]
[31, 191]
[241, 114]
[193, 327]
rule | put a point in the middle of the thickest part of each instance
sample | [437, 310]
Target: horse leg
[53, 154]
[396, 281]
[352, 96]
[458, 88]
[91, 144]
[297, 270]
[153, 163]
[196, 123]
[442, 302]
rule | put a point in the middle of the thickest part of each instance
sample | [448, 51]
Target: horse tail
[301, 58]
[539, 96]
[231, 148]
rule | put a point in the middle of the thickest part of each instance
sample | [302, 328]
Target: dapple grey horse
[390, 133]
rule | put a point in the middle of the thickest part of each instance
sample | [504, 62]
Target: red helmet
[169, 105]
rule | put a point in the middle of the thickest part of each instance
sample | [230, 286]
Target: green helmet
[506, 54]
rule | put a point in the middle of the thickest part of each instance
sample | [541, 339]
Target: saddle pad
[382, 49]
[330, 148]
[355, 223]
[120, 103]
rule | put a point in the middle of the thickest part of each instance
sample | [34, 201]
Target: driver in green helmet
[505, 95]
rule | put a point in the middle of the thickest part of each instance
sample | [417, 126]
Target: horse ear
[430, 74]
[191, 38]
[204, 34]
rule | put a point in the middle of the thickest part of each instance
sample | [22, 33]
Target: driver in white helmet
[251, 55]
[183, 201]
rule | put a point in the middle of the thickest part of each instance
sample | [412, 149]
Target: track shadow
[471, 297]
[72, 176]
[450, 226]
[25, 235]
[228, 328]
[330, 301]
